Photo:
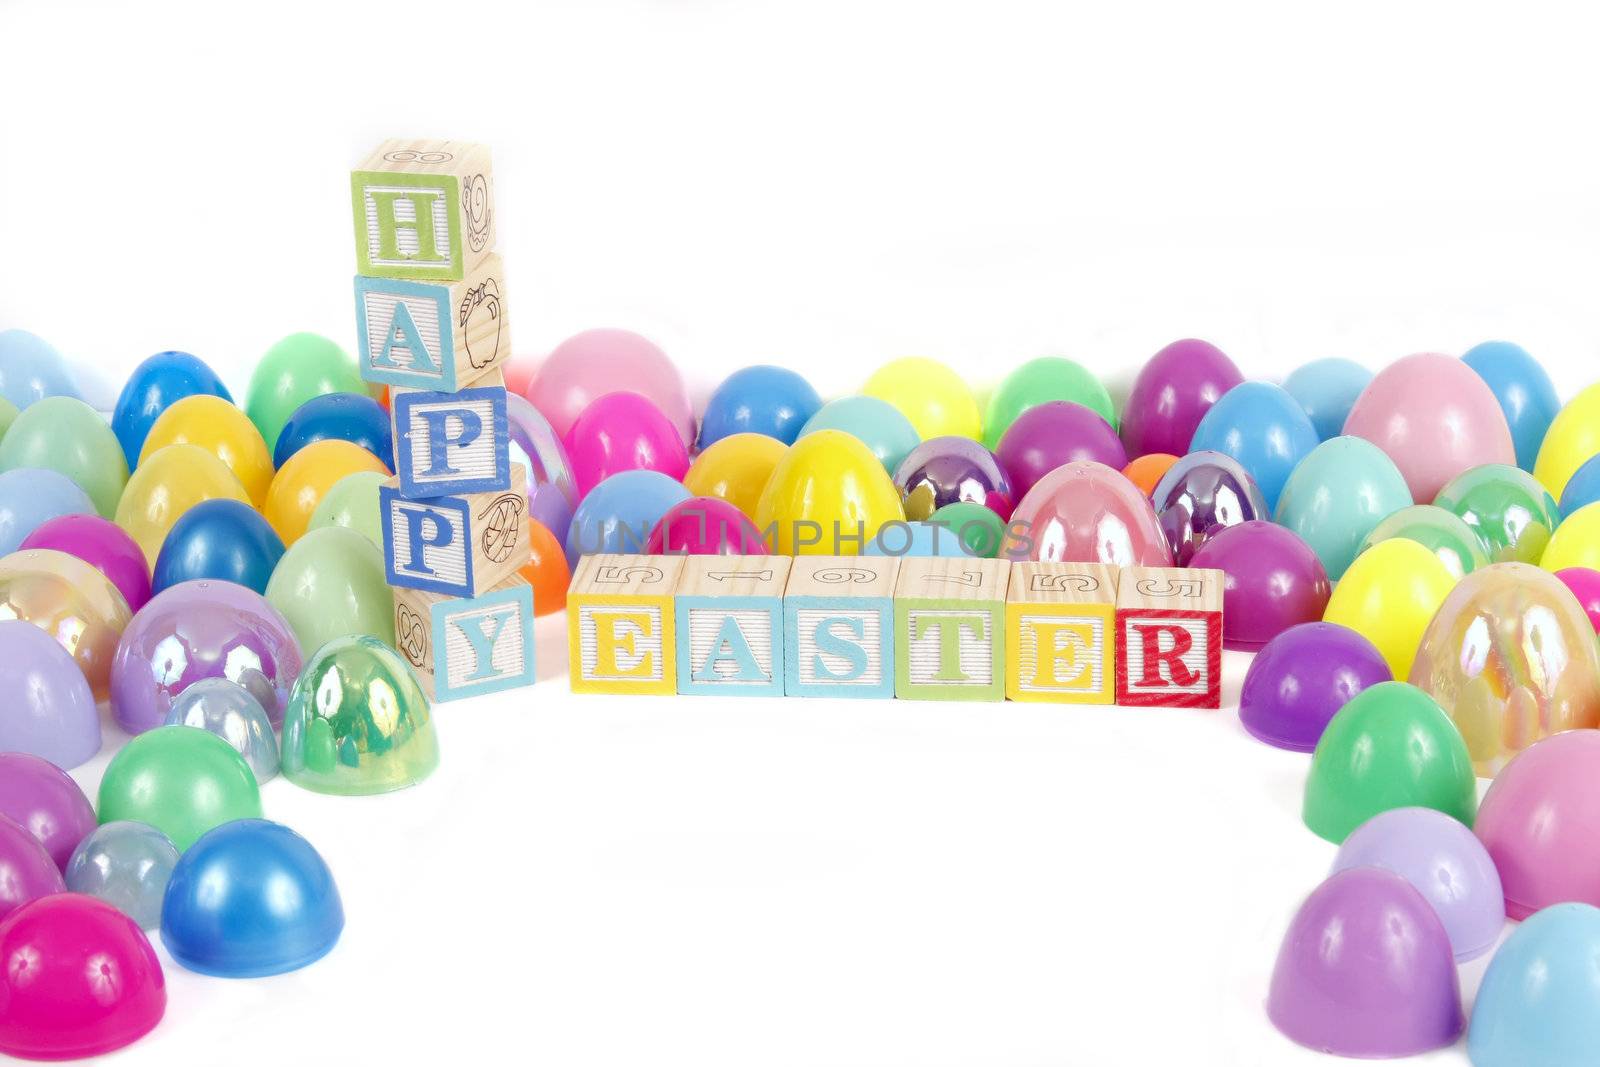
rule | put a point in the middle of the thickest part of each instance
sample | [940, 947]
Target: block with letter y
[460, 545]
[621, 629]
[949, 615]
[467, 646]
[1169, 637]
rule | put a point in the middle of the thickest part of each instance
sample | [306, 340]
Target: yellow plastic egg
[735, 469]
[215, 425]
[167, 483]
[827, 496]
[1573, 437]
[1576, 542]
[305, 478]
[1389, 595]
[930, 395]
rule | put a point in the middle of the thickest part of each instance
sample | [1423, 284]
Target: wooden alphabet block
[463, 647]
[451, 443]
[621, 629]
[433, 335]
[730, 625]
[838, 626]
[423, 210]
[456, 545]
[1169, 637]
[949, 622]
[1060, 632]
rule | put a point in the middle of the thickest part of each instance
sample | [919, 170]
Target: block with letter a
[730, 625]
[1169, 637]
[433, 335]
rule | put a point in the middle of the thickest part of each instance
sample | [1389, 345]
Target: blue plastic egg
[1524, 391]
[223, 540]
[31, 369]
[351, 417]
[876, 423]
[1327, 390]
[153, 387]
[761, 399]
[1583, 487]
[619, 513]
[1540, 998]
[1337, 495]
[1263, 428]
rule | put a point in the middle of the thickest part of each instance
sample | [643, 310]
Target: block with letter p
[423, 210]
[1169, 637]
[433, 335]
[1059, 632]
[621, 630]
[949, 621]
[462, 647]
[450, 443]
[455, 545]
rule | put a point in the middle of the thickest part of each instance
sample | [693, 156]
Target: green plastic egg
[181, 780]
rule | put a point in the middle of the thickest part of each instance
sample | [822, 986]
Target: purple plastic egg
[944, 470]
[1201, 495]
[1053, 433]
[1271, 581]
[1300, 680]
[552, 492]
[26, 872]
[44, 800]
[1172, 394]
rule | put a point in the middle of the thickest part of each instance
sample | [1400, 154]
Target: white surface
[826, 185]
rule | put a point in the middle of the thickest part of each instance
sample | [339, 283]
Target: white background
[824, 185]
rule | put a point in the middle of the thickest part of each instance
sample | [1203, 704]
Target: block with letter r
[451, 443]
[1169, 637]
[456, 545]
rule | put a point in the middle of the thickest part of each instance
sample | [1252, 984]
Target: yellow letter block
[620, 626]
[1060, 636]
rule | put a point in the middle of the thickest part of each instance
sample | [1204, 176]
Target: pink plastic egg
[705, 526]
[623, 432]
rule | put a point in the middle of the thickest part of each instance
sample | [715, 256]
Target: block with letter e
[838, 627]
[461, 545]
[433, 335]
[1060, 636]
[452, 443]
[949, 622]
[424, 210]
[621, 630]
[730, 625]
[1169, 637]
[467, 646]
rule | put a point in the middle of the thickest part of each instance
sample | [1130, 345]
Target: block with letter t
[467, 646]
[838, 627]
[949, 622]
[621, 629]
[461, 545]
[730, 625]
[450, 443]
[1169, 637]
[1060, 636]
[433, 335]
[424, 210]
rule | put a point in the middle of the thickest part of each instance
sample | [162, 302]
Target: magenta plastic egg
[705, 526]
[1047, 435]
[47, 802]
[1540, 821]
[1172, 394]
[1086, 512]
[1201, 495]
[591, 364]
[26, 872]
[1271, 581]
[623, 432]
[1585, 585]
[946, 470]
[103, 545]
[1435, 418]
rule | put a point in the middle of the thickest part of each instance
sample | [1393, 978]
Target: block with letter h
[1060, 636]
[423, 210]
[452, 443]
[463, 647]
[1169, 637]
[621, 628]
[950, 628]
[838, 627]
[730, 625]
[460, 545]
[433, 335]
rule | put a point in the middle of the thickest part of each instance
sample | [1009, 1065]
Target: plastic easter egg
[736, 469]
[618, 514]
[167, 484]
[1391, 746]
[8, 415]
[30, 498]
[1435, 418]
[1086, 513]
[828, 496]
[534, 446]
[1326, 389]
[70, 601]
[1576, 542]
[1512, 657]
[358, 723]
[1040, 381]
[1539, 1001]
[1584, 584]
[1263, 428]
[915, 539]
[223, 540]
[1203, 494]
[767, 400]
[1053, 433]
[214, 424]
[1337, 495]
[352, 417]
[31, 369]
[126, 865]
[546, 571]
[1172, 393]
[80, 980]
[1441, 532]
[1583, 487]
[305, 479]
[297, 368]
[1300, 680]
[103, 545]
[1506, 507]
[331, 583]
[1147, 471]
[155, 385]
[587, 366]
[1443, 861]
[62, 433]
[1271, 581]
[180, 780]
[930, 395]
[352, 502]
[201, 630]
[1389, 595]
[229, 711]
[26, 870]
[943, 470]
[978, 530]
[705, 526]
[623, 432]
[1524, 391]
[1366, 970]
[44, 800]
[50, 710]
[1540, 819]
[875, 423]
[519, 372]
[250, 899]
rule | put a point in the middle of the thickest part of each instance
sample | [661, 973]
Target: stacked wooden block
[432, 326]
[916, 628]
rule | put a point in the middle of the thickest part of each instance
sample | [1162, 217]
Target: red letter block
[1169, 638]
